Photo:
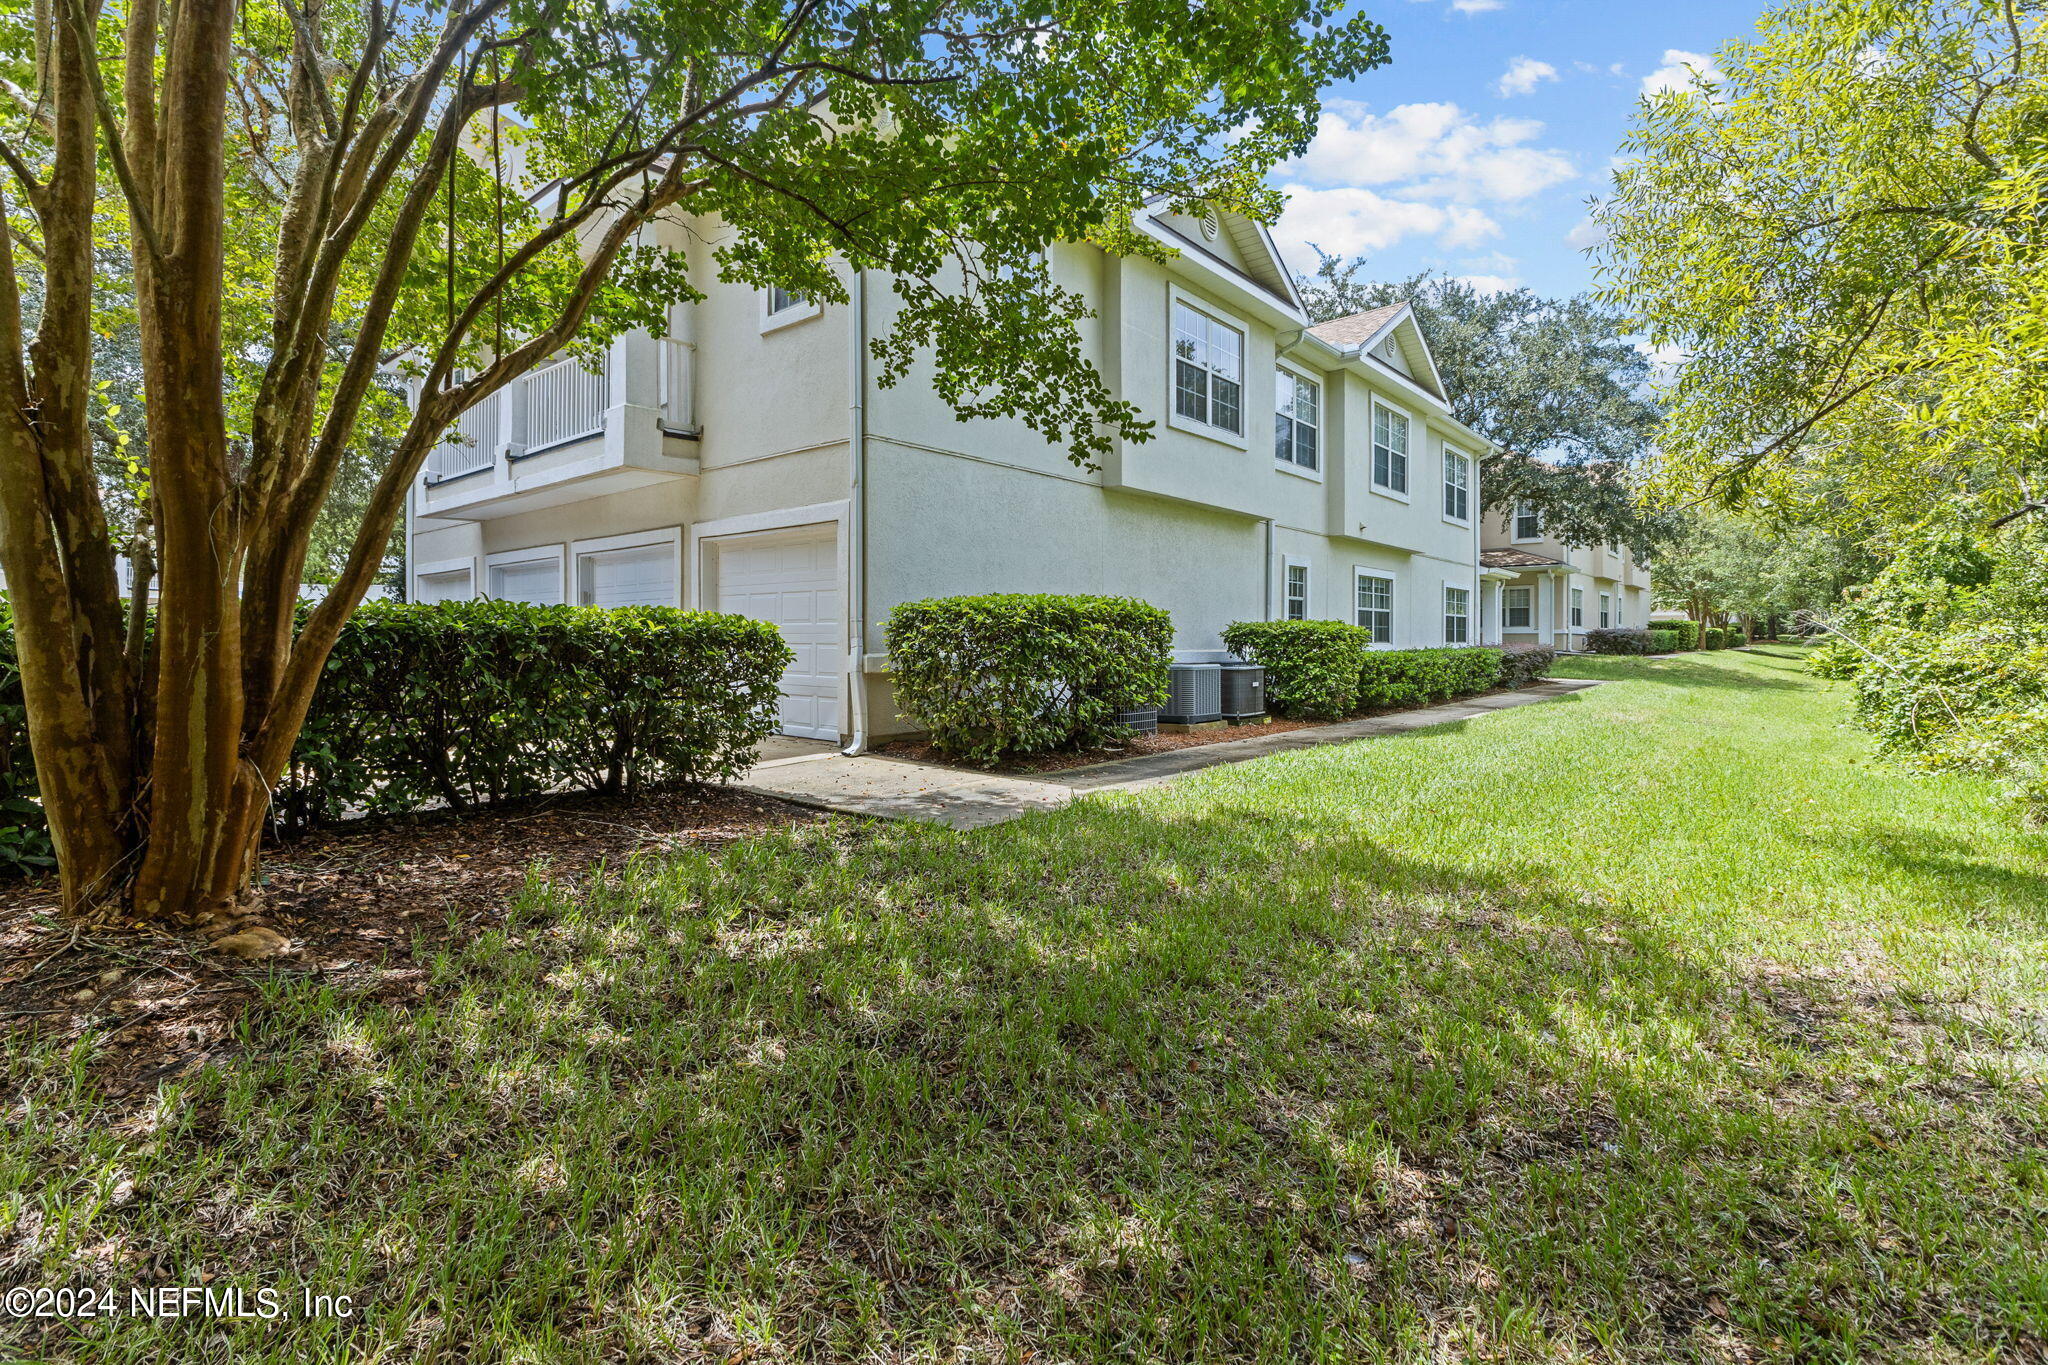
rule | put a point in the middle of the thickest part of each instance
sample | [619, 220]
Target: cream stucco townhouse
[749, 462]
[1558, 592]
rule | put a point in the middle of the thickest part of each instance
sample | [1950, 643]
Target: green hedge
[1688, 633]
[1618, 640]
[1664, 641]
[24, 836]
[1026, 673]
[1521, 665]
[1417, 677]
[1716, 637]
[472, 703]
[1313, 668]
[1320, 670]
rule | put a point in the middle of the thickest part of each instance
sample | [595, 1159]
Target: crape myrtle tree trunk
[319, 194]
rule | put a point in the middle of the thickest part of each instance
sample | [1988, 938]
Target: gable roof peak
[1356, 329]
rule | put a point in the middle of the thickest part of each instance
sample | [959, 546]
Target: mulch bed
[357, 901]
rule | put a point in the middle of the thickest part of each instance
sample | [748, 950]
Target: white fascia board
[1435, 411]
[1239, 290]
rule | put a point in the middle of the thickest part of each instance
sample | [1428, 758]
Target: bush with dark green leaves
[1834, 658]
[473, 703]
[24, 836]
[1688, 633]
[1618, 640]
[1313, 668]
[1418, 677]
[1522, 665]
[1010, 674]
[1664, 641]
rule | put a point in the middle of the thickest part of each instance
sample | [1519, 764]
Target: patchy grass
[1650, 1024]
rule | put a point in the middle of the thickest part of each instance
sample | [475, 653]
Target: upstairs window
[1457, 616]
[1208, 370]
[1389, 450]
[1528, 526]
[1518, 607]
[1297, 420]
[1295, 608]
[781, 300]
[1376, 607]
[1457, 486]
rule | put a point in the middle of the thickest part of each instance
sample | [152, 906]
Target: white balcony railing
[564, 402]
[471, 444]
[678, 384]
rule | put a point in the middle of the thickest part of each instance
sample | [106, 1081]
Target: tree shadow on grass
[1693, 671]
[1111, 1083]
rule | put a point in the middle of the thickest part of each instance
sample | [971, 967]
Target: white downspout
[857, 520]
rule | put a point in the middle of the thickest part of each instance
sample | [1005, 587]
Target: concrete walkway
[813, 773]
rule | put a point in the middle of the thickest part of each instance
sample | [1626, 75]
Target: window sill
[1391, 495]
[1289, 467]
[1222, 436]
[790, 317]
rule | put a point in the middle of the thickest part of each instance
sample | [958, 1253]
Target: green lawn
[1656, 1023]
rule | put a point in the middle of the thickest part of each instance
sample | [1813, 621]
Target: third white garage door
[792, 579]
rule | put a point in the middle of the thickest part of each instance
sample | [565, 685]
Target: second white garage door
[792, 579]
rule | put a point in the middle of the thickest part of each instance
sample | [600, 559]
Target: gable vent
[1211, 225]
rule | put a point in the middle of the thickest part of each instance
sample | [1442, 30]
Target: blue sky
[1475, 150]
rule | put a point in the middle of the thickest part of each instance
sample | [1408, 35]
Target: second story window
[1295, 608]
[1528, 526]
[1297, 420]
[1389, 450]
[1376, 607]
[781, 300]
[1208, 370]
[1457, 486]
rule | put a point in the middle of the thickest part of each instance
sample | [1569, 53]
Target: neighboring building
[751, 463]
[1547, 592]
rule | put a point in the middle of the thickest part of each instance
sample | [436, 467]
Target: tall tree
[1718, 566]
[317, 166]
[1557, 384]
[1841, 229]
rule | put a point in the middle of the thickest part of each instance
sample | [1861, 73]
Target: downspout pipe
[857, 519]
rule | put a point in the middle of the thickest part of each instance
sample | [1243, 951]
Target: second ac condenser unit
[1194, 694]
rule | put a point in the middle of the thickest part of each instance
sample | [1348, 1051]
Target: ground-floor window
[1606, 611]
[1296, 593]
[1457, 616]
[1376, 607]
[1578, 607]
[1518, 607]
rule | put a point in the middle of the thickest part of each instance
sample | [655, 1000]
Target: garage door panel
[791, 579]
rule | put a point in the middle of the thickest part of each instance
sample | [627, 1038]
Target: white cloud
[1490, 284]
[1523, 75]
[1476, 6]
[1584, 234]
[1681, 71]
[1433, 150]
[1349, 220]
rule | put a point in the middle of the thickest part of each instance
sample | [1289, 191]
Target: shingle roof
[1517, 559]
[1350, 331]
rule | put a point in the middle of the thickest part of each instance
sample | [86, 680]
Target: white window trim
[1575, 607]
[1394, 612]
[1379, 489]
[1308, 589]
[795, 313]
[1444, 482]
[531, 555]
[433, 568]
[1505, 608]
[1515, 521]
[671, 536]
[1471, 612]
[1241, 440]
[1322, 423]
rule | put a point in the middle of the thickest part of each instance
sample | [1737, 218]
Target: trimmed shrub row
[1688, 633]
[24, 836]
[1664, 641]
[471, 703]
[1320, 670]
[1024, 673]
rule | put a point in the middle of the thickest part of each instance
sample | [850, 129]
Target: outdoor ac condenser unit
[1244, 691]
[1194, 694]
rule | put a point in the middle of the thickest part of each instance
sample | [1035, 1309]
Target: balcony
[564, 432]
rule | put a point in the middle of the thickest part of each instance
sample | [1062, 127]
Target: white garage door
[792, 579]
[642, 575]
